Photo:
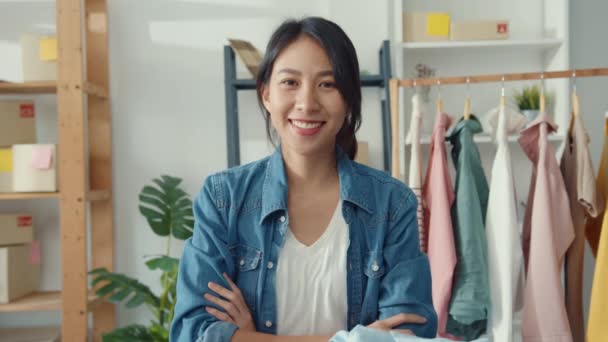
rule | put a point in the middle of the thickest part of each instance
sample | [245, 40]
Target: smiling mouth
[306, 124]
[306, 128]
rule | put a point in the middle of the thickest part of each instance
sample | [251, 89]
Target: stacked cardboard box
[20, 257]
[25, 166]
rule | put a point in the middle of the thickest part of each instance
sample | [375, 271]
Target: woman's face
[305, 107]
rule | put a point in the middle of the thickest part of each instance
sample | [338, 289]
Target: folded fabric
[515, 120]
[364, 334]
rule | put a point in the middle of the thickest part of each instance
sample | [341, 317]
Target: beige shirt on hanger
[577, 169]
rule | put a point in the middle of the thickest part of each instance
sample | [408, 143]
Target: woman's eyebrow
[297, 72]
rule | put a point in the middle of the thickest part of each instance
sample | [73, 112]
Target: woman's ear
[265, 97]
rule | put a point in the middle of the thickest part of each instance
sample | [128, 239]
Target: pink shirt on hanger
[548, 232]
[438, 193]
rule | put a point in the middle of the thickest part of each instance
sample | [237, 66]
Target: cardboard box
[34, 168]
[17, 122]
[43, 334]
[19, 271]
[479, 30]
[6, 169]
[426, 26]
[33, 58]
[16, 229]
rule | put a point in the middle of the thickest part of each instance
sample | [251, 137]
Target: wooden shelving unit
[84, 166]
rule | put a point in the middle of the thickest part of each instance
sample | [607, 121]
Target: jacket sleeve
[406, 283]
[205, 257]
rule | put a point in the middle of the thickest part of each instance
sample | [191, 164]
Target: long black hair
[345, 65]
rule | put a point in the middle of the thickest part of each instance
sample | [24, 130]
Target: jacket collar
[274, 189]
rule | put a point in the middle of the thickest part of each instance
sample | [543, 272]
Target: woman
[306, 241]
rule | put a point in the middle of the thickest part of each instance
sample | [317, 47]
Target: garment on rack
[438, 195]
[364, 334]
[579, 178]
[505, 257]
[516, 121]
[415, 174]
[547, 234]
[470, 292]
[597, 230]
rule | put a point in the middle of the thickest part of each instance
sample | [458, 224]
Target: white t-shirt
[311, 282]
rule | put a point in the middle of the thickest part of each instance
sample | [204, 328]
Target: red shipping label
[502, 28]
[24, 221]
[27, 110]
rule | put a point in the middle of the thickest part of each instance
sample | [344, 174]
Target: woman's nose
[307, 101]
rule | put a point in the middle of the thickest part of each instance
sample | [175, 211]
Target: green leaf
[119, 296]
[136, 301]
[134, 332]
[123, 287]
[106, 289]
[164, 263]
[167, 207]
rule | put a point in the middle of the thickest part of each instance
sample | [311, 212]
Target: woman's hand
[232, 302]
[396, 320]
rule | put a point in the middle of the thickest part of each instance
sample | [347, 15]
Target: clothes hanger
[575, 103]
[439, 101]
[502, 94]
[542, 93]
[467, 101]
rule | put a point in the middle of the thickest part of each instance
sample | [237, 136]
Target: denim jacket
[240, 222]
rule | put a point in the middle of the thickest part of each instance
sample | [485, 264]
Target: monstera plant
[168, 211]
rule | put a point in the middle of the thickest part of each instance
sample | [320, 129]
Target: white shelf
[486, 139]
[533, 44]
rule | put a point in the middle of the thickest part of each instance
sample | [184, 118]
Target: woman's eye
[328, 84]
[289, 82]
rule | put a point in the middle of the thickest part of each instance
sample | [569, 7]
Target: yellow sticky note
[437, 24]
[48, 49]
[6, 160]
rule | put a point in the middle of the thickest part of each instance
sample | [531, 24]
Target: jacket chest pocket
[247, 264]
[373, 264]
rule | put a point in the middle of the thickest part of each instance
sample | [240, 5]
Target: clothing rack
[395, 84]
[233, 85]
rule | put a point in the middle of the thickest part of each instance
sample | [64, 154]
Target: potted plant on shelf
[528, 101]
[168, 211]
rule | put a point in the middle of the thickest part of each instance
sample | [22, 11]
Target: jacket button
[268, 324]
[242, 262]
[282, 218]
[270, 264]
[375, 267]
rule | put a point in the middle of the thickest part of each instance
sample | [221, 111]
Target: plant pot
[530, 114]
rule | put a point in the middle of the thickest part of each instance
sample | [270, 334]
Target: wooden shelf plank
[47, 87]
[98, 195]
[41, 301]
[95, 195]
[27, 195]
[48, 333]
[40, 87]
[539, 44]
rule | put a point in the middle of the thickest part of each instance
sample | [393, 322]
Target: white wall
[167, 90]
[588, 49]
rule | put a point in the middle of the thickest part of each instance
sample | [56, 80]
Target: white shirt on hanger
[505, 256]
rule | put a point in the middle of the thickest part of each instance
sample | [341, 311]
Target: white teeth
[303, 124]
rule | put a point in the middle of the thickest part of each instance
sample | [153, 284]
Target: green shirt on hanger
[470, 291]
